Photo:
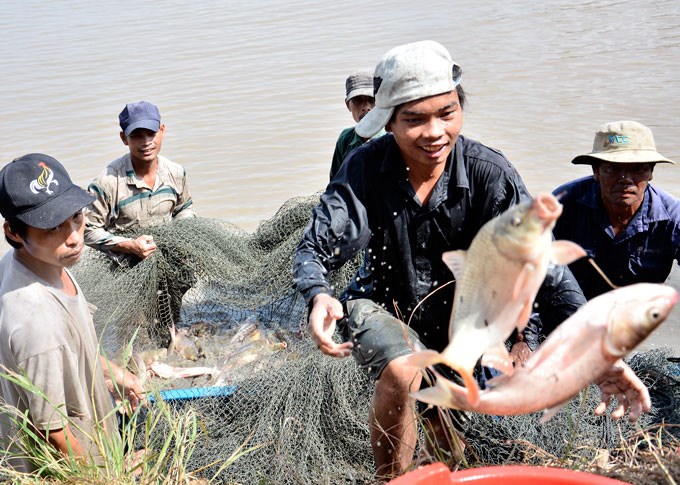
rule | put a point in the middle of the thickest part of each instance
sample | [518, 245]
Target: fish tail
[424, 358]
[428, 358]
[470, 383]
[443, 394]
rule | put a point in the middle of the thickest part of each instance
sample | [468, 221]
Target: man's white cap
[407, 73]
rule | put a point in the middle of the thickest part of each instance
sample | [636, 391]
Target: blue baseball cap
[37, 190]
[139, 115]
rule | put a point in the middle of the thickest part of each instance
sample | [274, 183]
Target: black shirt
[371, 205]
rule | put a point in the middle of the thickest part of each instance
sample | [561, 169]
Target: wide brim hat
[37, 190]
[406, 73]
[623, 142]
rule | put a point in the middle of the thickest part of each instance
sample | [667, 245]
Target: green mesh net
[259, 380]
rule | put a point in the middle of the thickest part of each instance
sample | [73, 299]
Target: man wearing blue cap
[137, 190]
[406, 198]
[46, 329]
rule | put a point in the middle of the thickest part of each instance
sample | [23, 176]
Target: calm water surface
[252, 92]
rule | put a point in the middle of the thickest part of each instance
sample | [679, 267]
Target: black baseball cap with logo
[37, 190]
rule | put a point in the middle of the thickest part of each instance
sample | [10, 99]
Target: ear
[347, 104]
[123, 138]
[596, 173]
[12, 235]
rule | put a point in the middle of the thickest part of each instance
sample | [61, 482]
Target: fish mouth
[547, 208]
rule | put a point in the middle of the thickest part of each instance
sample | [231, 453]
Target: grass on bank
[160, 440]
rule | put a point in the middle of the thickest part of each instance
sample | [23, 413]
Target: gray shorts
[378, 336]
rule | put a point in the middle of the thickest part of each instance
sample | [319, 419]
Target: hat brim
[374, 121]
[152, 125]
[622, 156]
[57, 209]
[359, 92]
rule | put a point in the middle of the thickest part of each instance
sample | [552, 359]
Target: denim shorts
[378, 336]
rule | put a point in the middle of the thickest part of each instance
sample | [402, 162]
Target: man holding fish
[407, 198]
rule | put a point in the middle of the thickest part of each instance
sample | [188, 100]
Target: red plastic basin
[439, 474]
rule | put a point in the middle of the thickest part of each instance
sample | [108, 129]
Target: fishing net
[263, 387]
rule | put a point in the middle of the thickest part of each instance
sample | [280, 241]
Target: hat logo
[618, 139]
[44, 180]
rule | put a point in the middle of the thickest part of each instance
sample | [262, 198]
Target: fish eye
[516, 221]
[654, 314]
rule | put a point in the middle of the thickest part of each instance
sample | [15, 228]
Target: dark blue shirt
[371, 205]
[643, 252]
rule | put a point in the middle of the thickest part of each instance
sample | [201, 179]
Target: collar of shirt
[394, 164]
[133, 179]
[652, 209]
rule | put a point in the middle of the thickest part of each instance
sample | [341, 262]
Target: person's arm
[338, 229]
[123, 385]
[98, 237]
[64, 441]
[184, 208]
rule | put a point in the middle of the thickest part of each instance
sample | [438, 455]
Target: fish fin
[424, 358]
[496, 381]
[471, 386]
[498, 358]
[566, 252]
[444, 394]
[522, 280]
[455, 261]
[549, 413]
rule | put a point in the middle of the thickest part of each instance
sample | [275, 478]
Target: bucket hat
[623, 142]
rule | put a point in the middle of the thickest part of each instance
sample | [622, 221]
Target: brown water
[252, 92]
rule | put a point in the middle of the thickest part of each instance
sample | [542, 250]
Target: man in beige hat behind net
[629, 227]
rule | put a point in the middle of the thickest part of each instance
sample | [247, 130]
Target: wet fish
[497, 279]
[254, 350]
[166, 371]
[577, 353]
[183, 344]
[245, 330]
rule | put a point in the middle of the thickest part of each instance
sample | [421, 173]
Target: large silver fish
[497, 279]
[577, 353]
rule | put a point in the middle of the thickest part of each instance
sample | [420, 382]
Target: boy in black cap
[46, 328]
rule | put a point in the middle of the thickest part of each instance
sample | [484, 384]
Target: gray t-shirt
[49, 336]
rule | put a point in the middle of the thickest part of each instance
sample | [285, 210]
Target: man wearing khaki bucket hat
[629, 227]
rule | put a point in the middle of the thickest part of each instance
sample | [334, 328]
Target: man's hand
[519, 354]
[632, 395]
[141, 247]
[124, 386]
[325, 311]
